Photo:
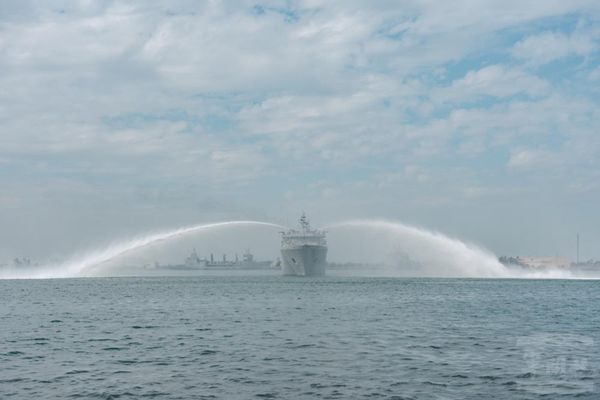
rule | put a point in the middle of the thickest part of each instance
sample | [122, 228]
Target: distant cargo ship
[194, 262]
[304, 251]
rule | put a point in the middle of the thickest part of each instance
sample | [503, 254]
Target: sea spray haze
[436, 254]
[433, 253]
[375, 248]
[86, 265]
[392, 248]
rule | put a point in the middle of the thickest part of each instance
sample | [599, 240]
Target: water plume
[420, 252]
[83, 266]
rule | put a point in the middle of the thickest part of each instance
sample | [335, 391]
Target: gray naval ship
[304, 251]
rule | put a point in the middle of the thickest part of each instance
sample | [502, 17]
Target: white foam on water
[83, 265]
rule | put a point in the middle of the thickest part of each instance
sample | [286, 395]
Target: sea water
[244, 336]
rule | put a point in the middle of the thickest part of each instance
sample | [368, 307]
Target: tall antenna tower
[578, 248]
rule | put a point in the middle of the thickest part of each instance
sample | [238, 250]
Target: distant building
[545, 262]
[537, 262]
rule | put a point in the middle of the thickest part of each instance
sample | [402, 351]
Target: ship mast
[304, 222]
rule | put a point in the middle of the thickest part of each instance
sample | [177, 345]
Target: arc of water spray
[446, 256]
[442, 255]
[82, 264]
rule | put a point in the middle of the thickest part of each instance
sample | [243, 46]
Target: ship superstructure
[304, 251]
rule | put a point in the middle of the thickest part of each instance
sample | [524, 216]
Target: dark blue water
[293, 338]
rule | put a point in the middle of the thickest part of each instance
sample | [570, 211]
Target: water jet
[84, 265]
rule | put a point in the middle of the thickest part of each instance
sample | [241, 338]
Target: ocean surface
[272, 337]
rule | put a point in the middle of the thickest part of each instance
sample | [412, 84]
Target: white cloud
[594, 75]
[549, 46]
[524, 158]
[496, 81]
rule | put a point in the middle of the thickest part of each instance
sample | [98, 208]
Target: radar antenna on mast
[304, 222]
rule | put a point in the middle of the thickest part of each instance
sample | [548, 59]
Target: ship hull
[304, 260]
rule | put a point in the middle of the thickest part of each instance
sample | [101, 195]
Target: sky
[478, 119]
